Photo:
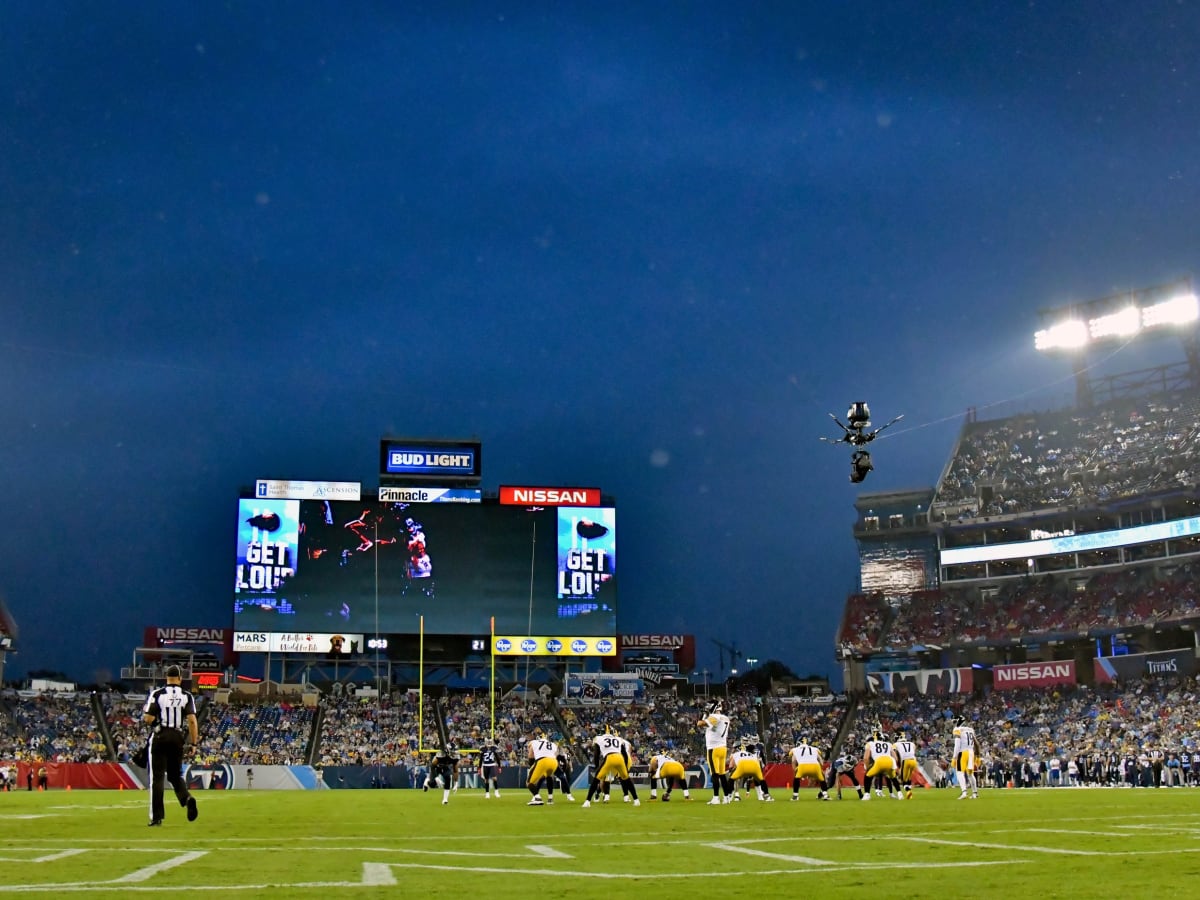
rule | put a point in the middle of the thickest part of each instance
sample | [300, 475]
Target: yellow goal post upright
[421, 748]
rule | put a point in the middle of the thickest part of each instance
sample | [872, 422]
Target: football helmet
[960, 721]
[715, 706]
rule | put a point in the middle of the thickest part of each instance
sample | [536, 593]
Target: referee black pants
[166, 764]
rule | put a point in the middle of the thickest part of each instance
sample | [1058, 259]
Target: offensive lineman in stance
[878, 763]
[671, 772]
[746, 763]
[807, 760]
[543, 756]
[716, 732]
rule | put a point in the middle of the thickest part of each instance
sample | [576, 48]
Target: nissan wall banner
[1034, 674]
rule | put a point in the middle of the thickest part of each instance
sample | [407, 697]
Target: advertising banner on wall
[538, 645]
[1137, 665]
[594, 688]
[1034, 674]
[922, 681]
[333, 643]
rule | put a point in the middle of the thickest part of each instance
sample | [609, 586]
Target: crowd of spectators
[862, 623]
[520, 715]
[123, 713]
[1124, 448]
[792, 719]
[375, 731]
[255, 734]
[1043, 606]
[53, 727]
[1104, 734]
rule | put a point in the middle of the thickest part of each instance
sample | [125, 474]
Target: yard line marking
[782, 857]
[61, 854]
[1116, 834]
[643, 876]
[30, 816]
[548, 852]
[378, 875]
[988, 846]
[373, 876]
[149, 872]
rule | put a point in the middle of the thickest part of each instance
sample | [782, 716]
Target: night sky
[641, 246]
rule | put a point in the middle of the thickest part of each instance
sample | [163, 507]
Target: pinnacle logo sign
[429, 495]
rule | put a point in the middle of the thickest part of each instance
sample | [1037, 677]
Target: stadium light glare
[1066, 335]
[1176, 311]
[1119, 324]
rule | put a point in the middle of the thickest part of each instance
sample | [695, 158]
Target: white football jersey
[805, 754]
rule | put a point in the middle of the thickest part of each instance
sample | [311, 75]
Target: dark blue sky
[645, 247]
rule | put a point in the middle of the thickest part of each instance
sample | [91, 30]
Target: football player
[611, 755]
[746, 763]
[489, 769]
[716, 732]
[807, 760]
[443, 771]
[964, 757]
[879, 764]
[562, 777]
[543, 757]
[905, 752]
[671, 772]
[843, 767]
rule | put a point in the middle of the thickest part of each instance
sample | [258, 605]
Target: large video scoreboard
[375, 567]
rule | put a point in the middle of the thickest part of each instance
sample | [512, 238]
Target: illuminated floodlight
[1176, 311]
[1066, 335]
[1119, 324]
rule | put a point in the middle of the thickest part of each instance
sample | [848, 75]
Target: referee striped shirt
[170, 706]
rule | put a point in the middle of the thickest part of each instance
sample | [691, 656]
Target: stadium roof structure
[8, 634]
[1159, 311]
[8, 627]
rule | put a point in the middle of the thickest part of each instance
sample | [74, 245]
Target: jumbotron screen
[375, 567]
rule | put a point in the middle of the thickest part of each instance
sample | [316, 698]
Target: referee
[170, 709]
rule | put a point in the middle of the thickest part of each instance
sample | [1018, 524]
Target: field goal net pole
[421, 748]
[492, 679]
[421, 686]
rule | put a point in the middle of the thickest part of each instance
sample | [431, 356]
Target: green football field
[1026, 844]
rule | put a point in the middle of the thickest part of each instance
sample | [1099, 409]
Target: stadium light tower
[1077, 328]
